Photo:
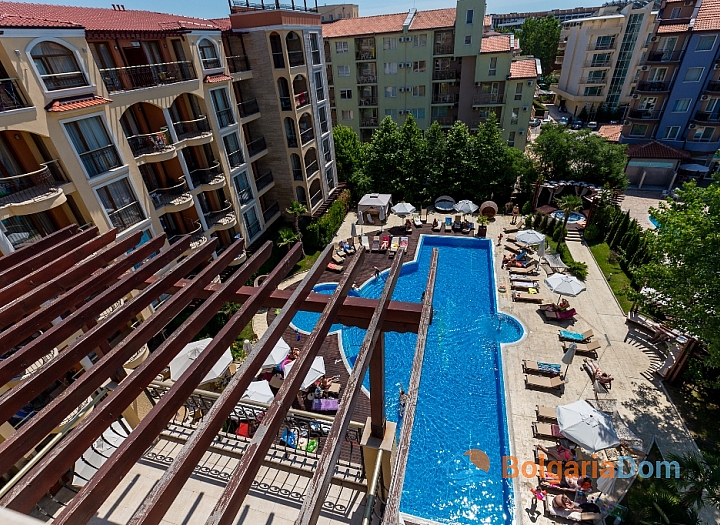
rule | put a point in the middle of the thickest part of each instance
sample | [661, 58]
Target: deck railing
[30, 186]
[145, 144]
[187, 129]
[149, 75]
[212, 175]
[166, 196]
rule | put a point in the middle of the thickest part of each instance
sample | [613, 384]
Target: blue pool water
[574, 216]
[461, 403]
[653, 221]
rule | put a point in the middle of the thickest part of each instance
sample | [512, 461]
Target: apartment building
[676, 101]
[438, 65]
[599, 57]
[514, 20]
[332, 12]
[147, 121]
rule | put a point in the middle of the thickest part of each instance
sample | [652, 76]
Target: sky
[219, 8]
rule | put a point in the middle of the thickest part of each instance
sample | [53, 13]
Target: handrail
[200, 176]
[271, 211]
[311, 169]
[127, 78]
[192, 128]
[264, 180]
[165, 196]
[307, 135]
[145, 143]
[29, 186]
[11, 96]
[237, 63]
[256, 146]
[372, 491]
[249, 107]
[143, 66]
[212, 217]
[316, 199]
[302, 99]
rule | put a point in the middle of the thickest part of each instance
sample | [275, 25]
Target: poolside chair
[522, 279]
[466, 229]
[523, 297]
[375, 244]
[560, 316]
[448, 223]
[438, 227]
[417, 222]
[457, 226]
[549, 383]
[337, 259]
[524, 285]
[546, 430]
[543, 369]
[394, 245]
[340, 250]
[385, 244]
[512, 248]
[548, 413]
[590, 348]
[530, 268]
[348, 247]
[511, 229]
[404, 243]
[522, 255]
[335, 267]
[566, 335]
[365, 243]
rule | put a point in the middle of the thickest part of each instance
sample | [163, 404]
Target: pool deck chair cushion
[365, 243]
[438, 227]
[562, 315]
[528, 270]
[385, 244]
[523, 297]
[337, 259]
[511, 229]
[583, 348]
[547, 413]
[335, 267]
[544, 369]
[549, 430]
[512, 248]
[566, 335]
[550, 383]
[375, 244]
[394, 245]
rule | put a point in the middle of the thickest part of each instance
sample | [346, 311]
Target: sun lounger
[349, 247]
[527, 270]
[394, 245]
[337, 259]
[375, 244]
[438, 227]
[466, 229]
[335, 267]
[417, 222]
[511, 229]
[566, 335]
[572, 516]
[448, 223]
[561, 316]
[546, 430]
[524, 285]
[404, 243]
[548, 413]
[512, 248]
[590, 348]
[543, 369]
[521, 279]
[523, 297]
[549, 383]
[325, 405]
[340, 251]
[365, 243]
[385, 244]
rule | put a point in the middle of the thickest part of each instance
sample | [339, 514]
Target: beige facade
[333, 12]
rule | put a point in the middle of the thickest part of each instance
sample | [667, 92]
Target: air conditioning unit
[689, 2]
[408, 89]
[692, 126]
[644, 68]
[636, 95]
[401, 65]
[401, 111]
[531, 82]
[653, 39]
[401, 39]
[521, 132]
[408, 64]
[716, 66]
[705, 97]
[525, 108]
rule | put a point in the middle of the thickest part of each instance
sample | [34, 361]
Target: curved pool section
[461, 403]
[574, 216]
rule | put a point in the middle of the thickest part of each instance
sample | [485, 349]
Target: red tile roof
[366, 25]
[708, 17]
[11, 20]
[656, 150]
[222, 23]
[68, 104]
[496, 44]
[102, 19]
[673, 28]
[221, 77]
[610, 131]
[435, 19]
[527, 68]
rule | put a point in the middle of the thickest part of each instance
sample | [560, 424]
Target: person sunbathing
[563, 504]
[435, 223]
[602, 377]
[559, 453]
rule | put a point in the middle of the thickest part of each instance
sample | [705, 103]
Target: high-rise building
[147, 121]
[436, 65]
[515, 20]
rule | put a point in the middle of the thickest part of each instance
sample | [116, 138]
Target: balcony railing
[367, 79]
[263, 181]
[55, 81]
[157, 142]
[291, 141]
[643, 114]
[445, 98]
[652, 86]
[30, 186]
[445, 74]
[311, 169]
[324, 126]
[170, 196]
[488, 98]
[296, 58]
[307, 135]
[125, 217]
[256, 146]
[705, 116]
[674, 21]
[187, 129]
[247, 108]
[328, 156]
[271, 211]
[236, 158]
[238, 64]
[222, 217]
[212, 175]
[10, 95]
[297, 174]
[365, 54]
[664, 56]
[225, 117]
[368, 122]
[316, 199]
[100, 160]
[197, 238]
[368, 101]
[211, 63]
[136, 77]
[302, 99]
[593, 80]
[444, 49]
[597, 63]
[285, 103]
[278, 60]
[713, 86]
[602, 47]
[446, 120]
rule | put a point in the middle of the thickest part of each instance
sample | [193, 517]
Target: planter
[482, 231]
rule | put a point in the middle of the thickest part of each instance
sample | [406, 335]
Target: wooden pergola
[53, 291]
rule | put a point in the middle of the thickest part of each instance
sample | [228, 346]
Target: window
[392, 113]
[120, 204]
[346, 94]
[492, 70]
[391, 68]
[594, 91]
[706, 43]
[657, 74]
[420, 40]
[343, 71]
[418, 91]
[600, 60]
[319, 88]
[468, 40]
[92, 143]
[648, 103]
[341, 47]
[671, 132]
[208, 54]
[596, 77]
[330, 178]
[605, 42]
[252, 224]
[419, 66]
[704, 134]
[315, 49]
[233, 150]
[518, 91]
[57, 66]
[712, 105]
[694, 74]
[675, 13]
[514, 115]
[638, 130]
[389, 43]
[346, 114]
[469, 16]
[326, 150]
[511, 139]
[418, 113]
[224, 112]
[322, 116]
[390, 92]
[242, 187]
[681, 105]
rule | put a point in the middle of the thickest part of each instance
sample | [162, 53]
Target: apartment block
[147, 121]
[439, 65]
[332, 12]
[676, 101]
[599, 57]
[514, 20]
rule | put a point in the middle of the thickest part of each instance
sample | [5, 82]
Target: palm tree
[296, 209]
[699, 481]
[658, 506]
[568, 204]
[286, 237]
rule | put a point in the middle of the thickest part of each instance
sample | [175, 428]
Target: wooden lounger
[511, 229]
[548, 413]
[583, 348]
[524, 285]
[532, 367]
[365, 243]
[549, 383]
[337, 259]
[527, 270]
[512, 248]
[588, 334]
[375, 244]
[560, 316]
[523, 297]
[438, 227]
[546, 430]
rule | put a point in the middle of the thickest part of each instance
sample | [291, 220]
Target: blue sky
[219, 8]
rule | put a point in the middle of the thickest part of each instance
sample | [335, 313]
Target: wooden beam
[27, 436]
[164, 493]
[18, 256]
[244, 473]
[48, 470]
[392, 510]
[320, 482]
[377, 389]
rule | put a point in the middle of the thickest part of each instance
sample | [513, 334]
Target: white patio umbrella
[530, 237]
[190, 353]
[403, 208]
[259, 391]
[278, 353]
[98, 453]
[466, 207]
[317, 370]
[564, 284]
[591, 429]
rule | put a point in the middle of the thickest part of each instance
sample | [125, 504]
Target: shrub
[528, 222]
[537, 220]
[578, 269]
[527, 208]
[549, 226]
[612, 257]
[557, 232]
[592, 232]
[311, 237]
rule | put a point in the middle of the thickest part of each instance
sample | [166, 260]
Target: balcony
[368, 123]
[221, 220]
[10, 95]
[271, 212]
[674, 21]
[643, 114]
[306, 136]
[38, 188]
[127, 78]
[157, 145]
[173, 199]
[302, 100]
[663, 56]
[248, 108]
[296, 58]
[291, 140]
[197, 238]
[705, 116]
[593, 80]
[713, 87]
[652, 86]
[285, 104]
[311, 169]
[602, 47]
[444, 98]
[225, 117]
[257, 146]
[597, 63]
[208, 179]
[127, 216]
[367, 79]
[365, 54]
[444, 49]
[445, 120]
[190, 130]
[297, 174]
[237, 64]
[446, 74]
[316, 199]
[263, 181]
[488, 98]
[368, 101]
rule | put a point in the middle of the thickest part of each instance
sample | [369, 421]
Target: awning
[694, 167]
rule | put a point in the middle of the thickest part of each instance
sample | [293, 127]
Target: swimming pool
[461, 403]
[653, 221]
[574, 216]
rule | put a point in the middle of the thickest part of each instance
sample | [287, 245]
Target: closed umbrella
[568, 357]
[353, 230]
[466, 207]
[530, 237]
[317, 370]
[278, 353]
[591, 429]
[190, 353]
[564, 284]
[99, 452]
[259, 391]
[403, 208]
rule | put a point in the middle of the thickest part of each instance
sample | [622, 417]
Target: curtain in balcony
[51, 59]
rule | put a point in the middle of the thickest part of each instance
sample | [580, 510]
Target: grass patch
[617, 279]
[701, 412]
[306, 262]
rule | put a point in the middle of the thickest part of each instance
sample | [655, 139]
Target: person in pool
[402, 403]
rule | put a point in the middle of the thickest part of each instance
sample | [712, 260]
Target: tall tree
[296, 209]
[494, 163]
[411, 180]
[348, 151]
[384, 158]
[434, 162]
[568, 204]
[699, 481]
[459, 165]
[539, 37]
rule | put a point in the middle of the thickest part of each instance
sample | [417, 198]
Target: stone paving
[639, 203]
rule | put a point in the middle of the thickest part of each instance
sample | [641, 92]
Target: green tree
[684, 260]
[459, 167]
[493, 162]
[660, 507]
[553, 151]
[435, 152]
[539, 37]
[348, 151]
[384, 158]
[621, 230]
[699, 481]
[568, 204]
[411, 177]
[287, 237]
[360, 183]
[296, 209]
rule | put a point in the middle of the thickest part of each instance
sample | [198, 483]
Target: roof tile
[610, 131]
[69, 104]
[656, 150]
[708, 17]
[366, 25]
[673, 28]
[434, 19]
[496, 44]
[12, 20]
[213, 79]
[527, 68]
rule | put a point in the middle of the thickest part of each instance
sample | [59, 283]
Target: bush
[537, 220]
[592, 233]
[578, 269]
[549, 226]
[612, 257]
[528, 222]
[557, 232]
[527, 208]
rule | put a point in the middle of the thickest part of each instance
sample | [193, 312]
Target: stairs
[331, 198]
[573, 236]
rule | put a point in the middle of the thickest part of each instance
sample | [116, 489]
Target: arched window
[208, 54]
[57, 66]
[277, 51]
[295, 49]
[301, 195]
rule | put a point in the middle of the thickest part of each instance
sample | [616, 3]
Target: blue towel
[289, 438]
[521, 255]
[553, 368]
[571, 335]
[448, 221]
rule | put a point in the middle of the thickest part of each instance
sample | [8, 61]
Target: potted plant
[482, 222]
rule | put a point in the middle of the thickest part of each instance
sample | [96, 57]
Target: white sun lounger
[365, 242]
